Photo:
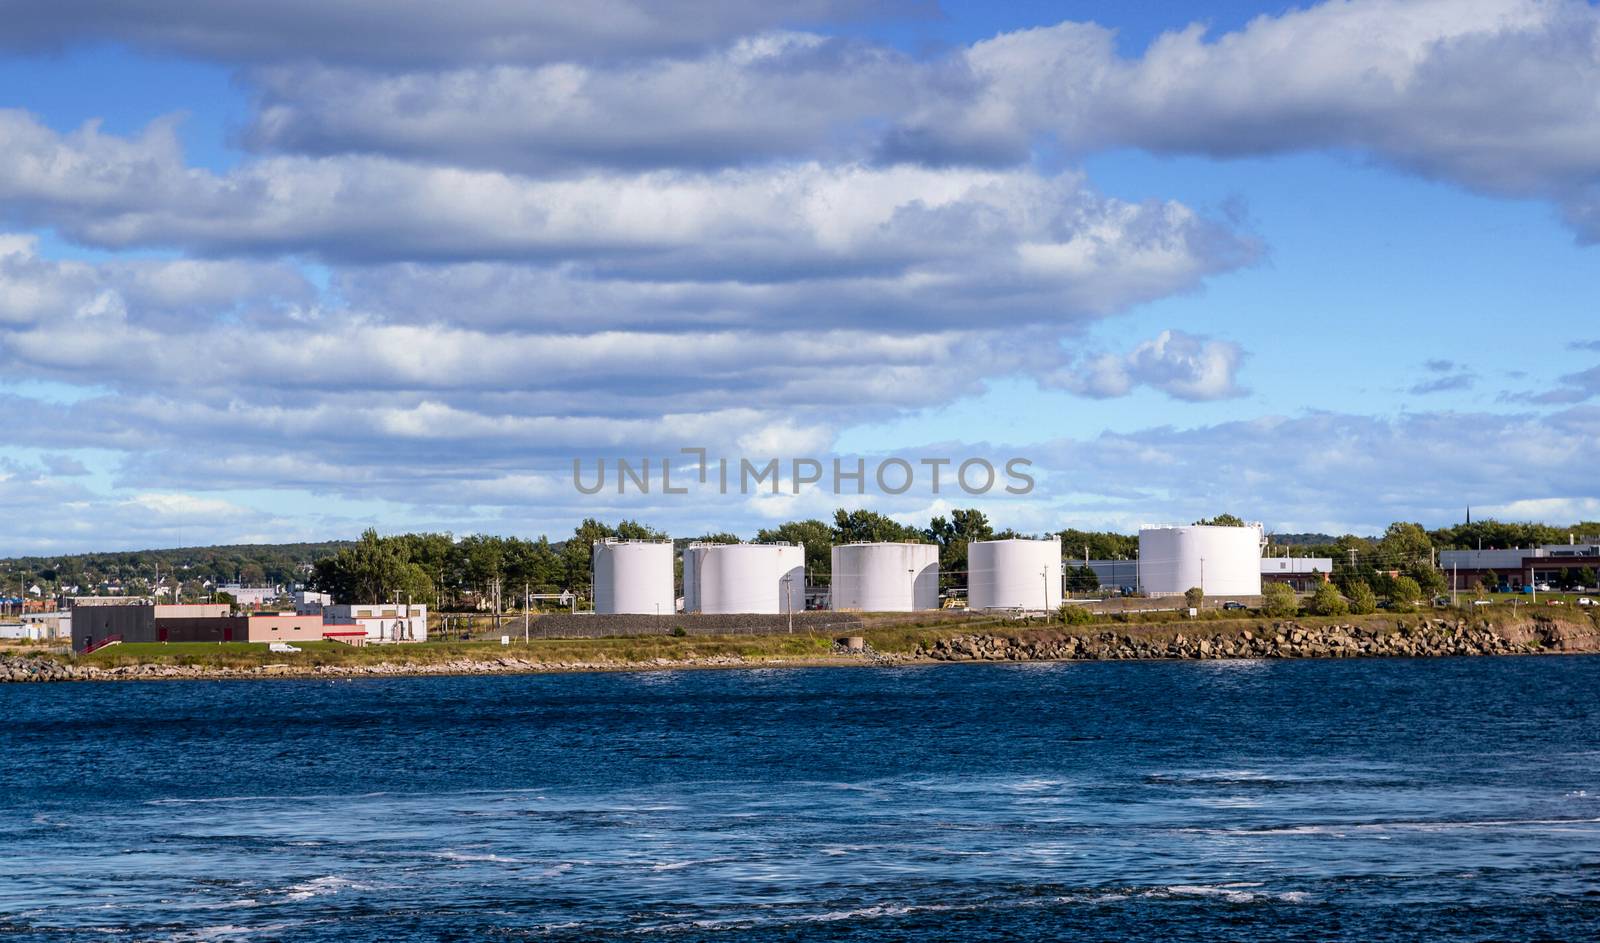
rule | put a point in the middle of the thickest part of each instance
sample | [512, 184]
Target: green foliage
[1194, 596]
[1076, 615]
[1363, 601]
[1326, 601]
[1404, 594]
[1586, 577]
[861, 526]
[1221, 520]
[1100, 545]
[963, 527]
[1278, 601]
[371, 571]
[814, 535]
[1081, 579]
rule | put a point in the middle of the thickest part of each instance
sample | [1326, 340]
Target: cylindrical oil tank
[744, 578]
[885, 577]
[633, 577]
[1220, 560]
[1014, 574]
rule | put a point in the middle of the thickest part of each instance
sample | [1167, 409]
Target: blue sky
[267, 277]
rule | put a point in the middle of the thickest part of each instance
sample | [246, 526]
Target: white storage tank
[1221, 560]
[744, 578]
[885, 577]
[633, 577]
[1014, 574]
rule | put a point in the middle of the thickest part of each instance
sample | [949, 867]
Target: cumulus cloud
[773, 225]
[417, 32]
[1182, 365]
[1500, 96]
[1361, 474]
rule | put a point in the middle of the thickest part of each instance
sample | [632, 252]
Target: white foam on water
[322, 887]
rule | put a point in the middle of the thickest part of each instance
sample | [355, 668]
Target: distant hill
[252, 563]
[1297, 540]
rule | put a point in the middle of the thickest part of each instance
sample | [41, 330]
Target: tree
[1278, 600]
[862, 526]
[369, 571]
[1491, 580]
[1099, 545]
[1586, 577]
[963, 527]
[1081, 579]
[1194, 596]
[1326, 601]
[1363, 601]
[1221, 520]
[1404, 594]
[817, 539]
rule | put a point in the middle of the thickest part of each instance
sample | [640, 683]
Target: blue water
[1361, 800]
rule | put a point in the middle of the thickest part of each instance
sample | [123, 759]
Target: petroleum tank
[633, 577]
[744, 578]
[1014, 574]
[1220, 560]
[885, 577]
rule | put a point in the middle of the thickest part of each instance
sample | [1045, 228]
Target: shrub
[678, 632]
[1076, 615]
[1363, 601]
[1404, 594]
[1194, 596]
[1326, 601]
[1278, 601]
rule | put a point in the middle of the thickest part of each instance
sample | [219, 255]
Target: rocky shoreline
[1415, 638]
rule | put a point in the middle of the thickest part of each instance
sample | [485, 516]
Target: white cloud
[1184, 366]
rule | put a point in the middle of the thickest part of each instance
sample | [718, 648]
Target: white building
[383, 622]
[250, 597]
[309, 604]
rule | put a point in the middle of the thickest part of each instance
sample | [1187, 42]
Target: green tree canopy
[816, 536]
[1326, 601]
[1221, 520]
[1278, 601]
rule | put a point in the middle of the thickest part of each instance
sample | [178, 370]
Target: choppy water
[1364, 800]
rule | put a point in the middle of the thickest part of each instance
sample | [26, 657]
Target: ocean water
[1442, 799]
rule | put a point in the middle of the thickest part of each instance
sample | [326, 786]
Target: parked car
[1585, 601]
[1544, 587]
[1555, 602]
[1482, 602]
[1231, 604]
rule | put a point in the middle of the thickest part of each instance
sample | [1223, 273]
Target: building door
[161, 634]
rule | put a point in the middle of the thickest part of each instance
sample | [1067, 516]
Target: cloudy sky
[283, 271]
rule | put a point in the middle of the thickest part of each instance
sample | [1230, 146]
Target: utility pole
[527, 603]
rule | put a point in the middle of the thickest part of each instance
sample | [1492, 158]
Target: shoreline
[1380, 637]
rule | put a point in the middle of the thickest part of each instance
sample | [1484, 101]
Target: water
[1364, 800]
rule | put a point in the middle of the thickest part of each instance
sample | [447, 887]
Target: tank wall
[633, 578]
[1223, 561]
[744, 578]
[1014, 574]
[885, 577]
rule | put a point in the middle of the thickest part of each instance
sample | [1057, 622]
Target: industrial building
[1014, 574]
[1302, 574]
[378, 622]
[97, 624]
[633, 577]
[1519, 567]
[1221, 560]
[744, 578]
[885, 577]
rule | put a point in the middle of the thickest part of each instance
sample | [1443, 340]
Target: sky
[275, 272]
